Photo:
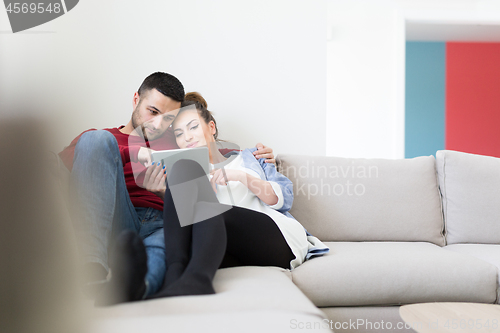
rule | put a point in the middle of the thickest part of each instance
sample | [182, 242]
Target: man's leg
[128, 263]
[154, 241]
[137, 261]
[100, 201]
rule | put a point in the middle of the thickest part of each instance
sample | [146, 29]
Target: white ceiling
[463, 32]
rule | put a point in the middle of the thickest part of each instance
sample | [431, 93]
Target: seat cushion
[242, 322]
[487, 252]
[355, 199]
[470, 187]
[394, 273]
[367, 319]
[237, 289]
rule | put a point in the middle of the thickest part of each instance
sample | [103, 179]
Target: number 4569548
[33, 8]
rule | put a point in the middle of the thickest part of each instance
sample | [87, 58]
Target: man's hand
[144, 156]
[154, 180]
[222, 176]
[264, 152]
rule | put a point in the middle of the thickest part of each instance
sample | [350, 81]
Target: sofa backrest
[350, 199]
[470, 187]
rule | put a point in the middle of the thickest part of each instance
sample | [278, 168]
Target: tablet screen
[169, 157]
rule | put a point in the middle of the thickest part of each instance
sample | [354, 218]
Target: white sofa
[399, 232]
[416, 230]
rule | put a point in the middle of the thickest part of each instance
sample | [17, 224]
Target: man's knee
[98, 143]
[97, 137]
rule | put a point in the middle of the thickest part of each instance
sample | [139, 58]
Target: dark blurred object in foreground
[38, 289]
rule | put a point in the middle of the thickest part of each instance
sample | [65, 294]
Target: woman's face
[191, 131]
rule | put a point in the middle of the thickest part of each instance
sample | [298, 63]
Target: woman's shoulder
[248, 151]
[248, 156]
[251, 162]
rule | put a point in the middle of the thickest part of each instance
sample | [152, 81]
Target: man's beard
[135, 123]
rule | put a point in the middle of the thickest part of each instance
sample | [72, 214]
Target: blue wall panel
[424, 98]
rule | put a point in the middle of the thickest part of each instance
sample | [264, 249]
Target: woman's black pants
[235, 237]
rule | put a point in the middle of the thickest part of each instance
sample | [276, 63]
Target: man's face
[153, 113]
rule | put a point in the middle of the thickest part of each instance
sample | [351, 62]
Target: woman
[240, 224]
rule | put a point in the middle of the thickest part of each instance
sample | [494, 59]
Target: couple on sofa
[152, 255]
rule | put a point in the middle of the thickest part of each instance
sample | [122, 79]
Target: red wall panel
[472, 121]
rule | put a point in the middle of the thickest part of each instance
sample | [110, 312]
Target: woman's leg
[177, 241]
[254, 239]
[193, 251]
[207, 250]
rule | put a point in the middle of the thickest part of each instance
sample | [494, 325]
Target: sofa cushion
[353, 199]
[487, 252]
[470, 186]
[367, 319]
[241, 322]
[237, 289]
[394, 273]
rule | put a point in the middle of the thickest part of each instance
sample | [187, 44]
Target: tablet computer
[169, 157]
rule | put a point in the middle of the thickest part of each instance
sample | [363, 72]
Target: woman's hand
[154, 180]
[261, 188]
[222, 176]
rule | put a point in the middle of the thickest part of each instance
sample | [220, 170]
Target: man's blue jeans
[101, 206]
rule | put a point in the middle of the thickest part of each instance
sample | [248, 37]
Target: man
[106, 199]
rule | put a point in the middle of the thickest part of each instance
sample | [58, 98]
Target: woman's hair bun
[196, 97]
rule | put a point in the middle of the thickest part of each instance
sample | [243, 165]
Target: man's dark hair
[165, 83]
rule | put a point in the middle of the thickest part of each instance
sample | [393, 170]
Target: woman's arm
[282, 186]
[261, 188]
[285, 184]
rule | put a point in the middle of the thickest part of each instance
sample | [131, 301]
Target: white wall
[365, 56]
[366, 66]
[260, 64]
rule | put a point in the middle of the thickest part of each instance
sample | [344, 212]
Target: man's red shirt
[129, 146]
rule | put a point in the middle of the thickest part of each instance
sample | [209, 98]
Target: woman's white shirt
[237, 194]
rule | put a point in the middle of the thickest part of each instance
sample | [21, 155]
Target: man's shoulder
[113, 130]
